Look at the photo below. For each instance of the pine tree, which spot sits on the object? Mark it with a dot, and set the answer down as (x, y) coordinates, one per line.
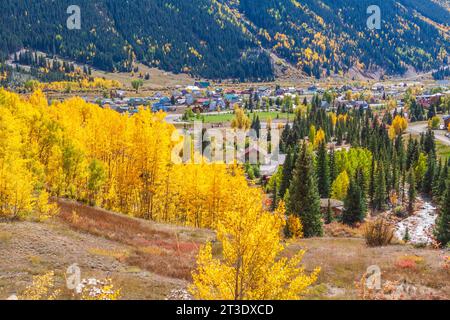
(304, 199)
(287, 174)
(411, 191)
(274, 197)
(437, 176)
(361, 181)
(323, 171)
(329, 214)
(442, 231)
(427, 183)
(372, 183)
(355, 208)
(439, 192)
(380, 195)
(333, 173)
(406, 237)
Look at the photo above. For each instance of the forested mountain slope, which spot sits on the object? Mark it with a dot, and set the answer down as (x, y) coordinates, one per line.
(232, 38)
(333, 35)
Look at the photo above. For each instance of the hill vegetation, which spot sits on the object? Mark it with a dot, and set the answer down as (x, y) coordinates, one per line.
(223, 39)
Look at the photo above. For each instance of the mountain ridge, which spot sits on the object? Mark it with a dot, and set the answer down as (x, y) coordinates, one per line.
(235, 39)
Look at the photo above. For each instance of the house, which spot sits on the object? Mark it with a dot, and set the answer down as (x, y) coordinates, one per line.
(117, 94)
(160, 107)
(312, 89)
(360, 104)
(192, 88)
(447, 121)
(271, 168)
(217, 104)
(336, 206)
(427, 101)
(325, 105)
(189, 99)
(198, 109)
(231, 98)
(202, 84)
(165, 101)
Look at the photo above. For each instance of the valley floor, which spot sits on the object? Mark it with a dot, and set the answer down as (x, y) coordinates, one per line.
(148, 260)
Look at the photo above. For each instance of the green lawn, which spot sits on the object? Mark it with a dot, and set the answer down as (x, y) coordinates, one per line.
(263, 116)
(443, 150)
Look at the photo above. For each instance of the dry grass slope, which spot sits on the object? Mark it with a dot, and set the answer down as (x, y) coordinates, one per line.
(149, 260)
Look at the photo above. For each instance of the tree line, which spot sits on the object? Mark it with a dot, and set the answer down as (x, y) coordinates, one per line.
(361, 158)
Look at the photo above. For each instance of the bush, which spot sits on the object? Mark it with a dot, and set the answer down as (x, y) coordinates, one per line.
(294, 227)
(378, 233)
(400, 212)
(339, 230)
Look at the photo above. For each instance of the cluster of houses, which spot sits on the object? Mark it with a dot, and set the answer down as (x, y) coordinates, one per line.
(201, 97)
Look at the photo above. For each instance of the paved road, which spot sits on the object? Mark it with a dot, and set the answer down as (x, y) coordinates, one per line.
(417, 128)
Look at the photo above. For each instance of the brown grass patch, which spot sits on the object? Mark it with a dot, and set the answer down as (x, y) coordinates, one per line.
(158, 251)
(5, 236)
(339, 230)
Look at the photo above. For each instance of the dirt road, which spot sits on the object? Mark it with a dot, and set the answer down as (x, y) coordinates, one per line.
(416, 128)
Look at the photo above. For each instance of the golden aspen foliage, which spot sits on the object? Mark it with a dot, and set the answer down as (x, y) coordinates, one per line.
(240, 120)
(43, 208)
(340, 186)
(295, 227)
(333, 119)
(400, 124)
(250, 267)
(391, 133)
(312, 134)
(434, 123)
(319, 138)
(123, 163)
(42, 288)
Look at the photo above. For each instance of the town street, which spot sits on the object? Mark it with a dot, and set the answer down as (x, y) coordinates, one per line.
(416, 128)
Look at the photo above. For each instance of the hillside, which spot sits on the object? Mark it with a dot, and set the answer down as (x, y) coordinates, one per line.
(234, 39)
(147, 260)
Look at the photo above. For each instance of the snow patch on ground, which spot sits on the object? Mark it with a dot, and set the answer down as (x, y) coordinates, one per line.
(420, 225)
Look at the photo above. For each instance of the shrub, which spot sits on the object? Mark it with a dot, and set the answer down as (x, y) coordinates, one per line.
(339, 230)
(409, 262)
(294, 227)
(406, 237)
(378, 233)
(399, 212)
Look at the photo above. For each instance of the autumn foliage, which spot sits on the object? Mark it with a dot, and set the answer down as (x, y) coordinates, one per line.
(251, 266)
(80, 151)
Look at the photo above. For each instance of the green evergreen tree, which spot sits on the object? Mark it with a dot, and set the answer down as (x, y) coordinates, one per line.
(427, 182)
(411, 191)
(274, 197)
(329, 217)
(442, 231)
(323, 171)
(439, 192)
(354, 205)
(304, 199)
(333, 173)
(287, 174)
(380, 194)
(406, 237)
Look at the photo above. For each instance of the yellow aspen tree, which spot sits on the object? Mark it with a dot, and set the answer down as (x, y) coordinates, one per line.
(319, 138)
(251, 267)
(340, 186)
(240, 120)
